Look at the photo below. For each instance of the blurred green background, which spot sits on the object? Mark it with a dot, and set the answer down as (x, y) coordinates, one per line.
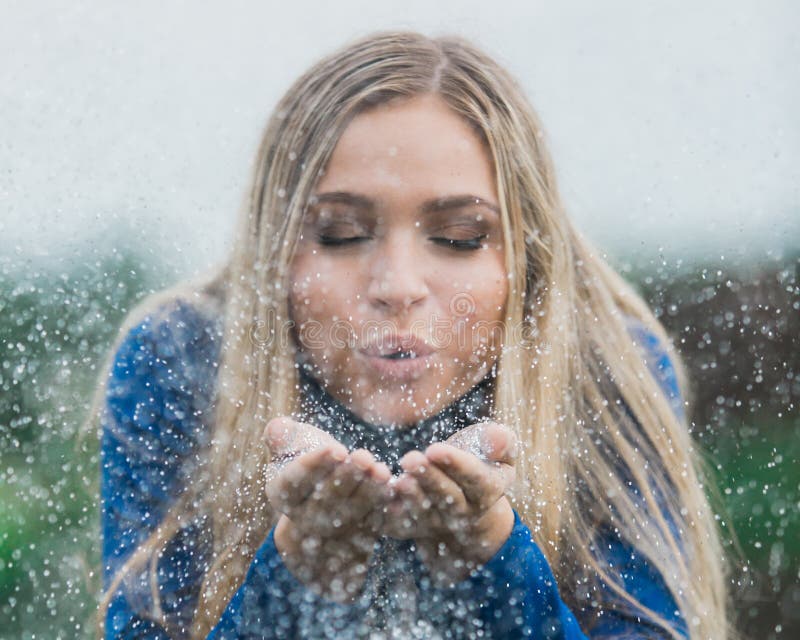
(738, 328)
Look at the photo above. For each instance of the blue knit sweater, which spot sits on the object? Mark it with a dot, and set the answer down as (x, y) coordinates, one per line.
(155, 421)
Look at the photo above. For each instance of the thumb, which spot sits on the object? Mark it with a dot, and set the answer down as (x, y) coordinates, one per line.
(287, 436)
(280, 434)
(490, 441)
(499, 443)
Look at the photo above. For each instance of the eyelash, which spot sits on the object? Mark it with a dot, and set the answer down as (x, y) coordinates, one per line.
(470, 244)
(462, 245)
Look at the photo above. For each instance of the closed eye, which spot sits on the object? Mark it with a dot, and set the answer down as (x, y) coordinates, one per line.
(332, 241)
(461, 245)
(468, 244)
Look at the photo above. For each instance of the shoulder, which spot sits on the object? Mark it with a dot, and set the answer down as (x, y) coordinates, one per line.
(656, 353)
(178, 332)
(162, 375)
(645, 336)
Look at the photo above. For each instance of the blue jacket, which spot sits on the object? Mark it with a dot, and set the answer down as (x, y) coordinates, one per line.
(160, 392)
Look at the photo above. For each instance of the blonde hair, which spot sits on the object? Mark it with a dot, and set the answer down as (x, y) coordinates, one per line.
(563, 383)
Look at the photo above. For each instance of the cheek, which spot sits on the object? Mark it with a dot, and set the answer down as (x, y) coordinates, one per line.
(307, 289)
(479, 290)
(321, 296)
(313, 279)
(475, 307)
(497, 294)
(495, 287)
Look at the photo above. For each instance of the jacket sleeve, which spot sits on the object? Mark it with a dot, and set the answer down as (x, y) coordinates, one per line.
(151, 427)
(152, 424)
(273, 604)
(515, 595)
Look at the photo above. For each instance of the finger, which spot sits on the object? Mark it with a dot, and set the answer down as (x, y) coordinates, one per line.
(403, 508)
(341, 482)
(499, 443)
(289, 439)
(442, 490)
(355, 492)
(366, 504)
(489, 441)
(495, 442)
(290, 443)
(285, 436)
(357, 467)
(294, 483)
(481, 482)
(428, 512)
(365, 461)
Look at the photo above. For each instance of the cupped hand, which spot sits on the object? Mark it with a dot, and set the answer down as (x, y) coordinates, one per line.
(451, 498)
(331, 504)
(322, 488)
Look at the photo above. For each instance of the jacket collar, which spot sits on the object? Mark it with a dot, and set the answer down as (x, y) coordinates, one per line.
(388, 442)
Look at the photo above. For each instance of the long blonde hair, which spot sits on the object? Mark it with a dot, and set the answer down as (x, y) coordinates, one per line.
(563, 382)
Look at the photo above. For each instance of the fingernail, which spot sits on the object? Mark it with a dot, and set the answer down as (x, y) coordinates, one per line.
(413, 459)
(338, 453)
(381, 473)
(441, 458)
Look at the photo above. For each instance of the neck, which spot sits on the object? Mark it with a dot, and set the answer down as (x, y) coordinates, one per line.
(389, 443)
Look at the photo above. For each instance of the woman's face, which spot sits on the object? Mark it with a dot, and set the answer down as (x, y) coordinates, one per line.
(401, 250)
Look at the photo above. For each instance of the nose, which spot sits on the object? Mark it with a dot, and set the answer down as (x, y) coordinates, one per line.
(397, 276)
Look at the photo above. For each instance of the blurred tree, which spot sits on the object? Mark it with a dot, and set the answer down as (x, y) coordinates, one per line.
(54, 330)
(739, 332)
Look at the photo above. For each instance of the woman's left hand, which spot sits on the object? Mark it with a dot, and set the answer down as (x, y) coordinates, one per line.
(451, 499)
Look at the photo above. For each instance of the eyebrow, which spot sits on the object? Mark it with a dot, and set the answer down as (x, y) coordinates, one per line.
(429, 206)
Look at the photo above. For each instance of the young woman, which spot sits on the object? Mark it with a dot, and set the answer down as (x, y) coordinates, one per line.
(414, 402)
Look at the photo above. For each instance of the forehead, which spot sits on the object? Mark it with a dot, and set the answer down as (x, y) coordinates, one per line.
(418, 147)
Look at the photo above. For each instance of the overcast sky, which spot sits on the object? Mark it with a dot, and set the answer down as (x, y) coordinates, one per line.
(673, 125)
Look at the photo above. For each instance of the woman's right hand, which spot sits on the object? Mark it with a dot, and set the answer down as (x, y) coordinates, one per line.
(331, 504)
